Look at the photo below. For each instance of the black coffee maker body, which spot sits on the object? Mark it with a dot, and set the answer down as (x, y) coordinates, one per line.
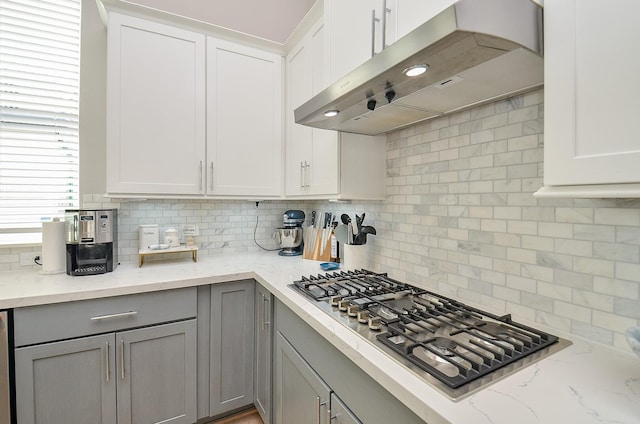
(91, 241)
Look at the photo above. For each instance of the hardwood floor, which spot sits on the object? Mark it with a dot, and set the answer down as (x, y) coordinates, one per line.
(247, 417)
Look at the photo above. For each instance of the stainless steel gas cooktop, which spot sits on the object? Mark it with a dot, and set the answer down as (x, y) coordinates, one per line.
(454, 347)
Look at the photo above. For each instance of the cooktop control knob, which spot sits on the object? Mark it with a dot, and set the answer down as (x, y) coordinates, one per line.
(363, 317)
(334, 300)
(352, 310)
(375, 323)
(343, 305)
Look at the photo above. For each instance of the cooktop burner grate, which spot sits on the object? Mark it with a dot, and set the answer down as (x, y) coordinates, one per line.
(459, 347)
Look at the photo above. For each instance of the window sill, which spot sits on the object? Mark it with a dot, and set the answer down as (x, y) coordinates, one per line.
(20, 239)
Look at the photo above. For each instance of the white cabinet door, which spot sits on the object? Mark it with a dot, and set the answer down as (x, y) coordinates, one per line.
(244, 120)
(155, 108)
(350, 34)
(410, 14)
(312, 154)
(591, 92)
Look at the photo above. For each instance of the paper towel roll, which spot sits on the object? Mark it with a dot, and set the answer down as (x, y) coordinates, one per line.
(54, 260)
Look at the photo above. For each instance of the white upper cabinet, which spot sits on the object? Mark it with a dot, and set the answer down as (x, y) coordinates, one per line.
(155, 108)
(326, 163)
(191, 115)
(355, 32)
(591, 99)
(244, 120)
(359, 29)
(410, 14)
(311, 154)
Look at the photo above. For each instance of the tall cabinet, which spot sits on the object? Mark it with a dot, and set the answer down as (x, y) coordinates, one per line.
(591, 144)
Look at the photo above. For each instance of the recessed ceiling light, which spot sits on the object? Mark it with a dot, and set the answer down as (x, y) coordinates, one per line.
(331, 113)
(415, 70)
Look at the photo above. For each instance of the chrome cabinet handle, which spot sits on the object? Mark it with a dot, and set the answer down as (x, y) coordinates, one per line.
(211, 175)
(373, 32)
(106, 357)
(265, 312)
(200, 173)
(110, 316)
(301, 176)
(318, 409)
(384, 23)
(122, 359)
(307, 165)
(327, 412)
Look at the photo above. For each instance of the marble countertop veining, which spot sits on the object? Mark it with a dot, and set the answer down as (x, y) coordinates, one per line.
(584, 383)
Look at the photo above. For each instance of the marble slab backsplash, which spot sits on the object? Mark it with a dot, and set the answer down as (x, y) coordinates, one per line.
(460, 218)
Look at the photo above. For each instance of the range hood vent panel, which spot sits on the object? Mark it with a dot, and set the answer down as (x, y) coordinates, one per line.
(497, 53)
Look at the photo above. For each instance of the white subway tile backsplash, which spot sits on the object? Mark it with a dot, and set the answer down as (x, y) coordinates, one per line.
(460, 218)
(555, 261)
(617, 216)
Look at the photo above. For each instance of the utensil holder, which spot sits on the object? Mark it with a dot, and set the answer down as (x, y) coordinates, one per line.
(354, 256)
(314, 241)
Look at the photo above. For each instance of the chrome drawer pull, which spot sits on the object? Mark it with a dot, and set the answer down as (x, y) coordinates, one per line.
(107, 362)
(120, 315)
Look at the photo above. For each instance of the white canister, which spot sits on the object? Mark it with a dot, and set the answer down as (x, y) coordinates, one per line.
(148, 235)
(354, 256)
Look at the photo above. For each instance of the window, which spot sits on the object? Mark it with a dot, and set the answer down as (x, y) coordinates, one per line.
(39, 90)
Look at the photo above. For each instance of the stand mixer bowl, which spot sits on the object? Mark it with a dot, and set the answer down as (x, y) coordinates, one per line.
(289, 240)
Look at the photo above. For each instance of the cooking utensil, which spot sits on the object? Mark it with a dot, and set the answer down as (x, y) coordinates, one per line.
(342, 233)
(362, 236)
(346, 219)
(359, 220)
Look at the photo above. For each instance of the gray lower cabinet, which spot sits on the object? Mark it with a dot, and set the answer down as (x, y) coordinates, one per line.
(67, 382)
(120, 360)
(141, 376)
(312, 377)
(340, 414)
(263, 344)
(231, 347)
(301, 395)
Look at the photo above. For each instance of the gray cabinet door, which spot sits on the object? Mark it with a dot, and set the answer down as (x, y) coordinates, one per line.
(71, 382)
(301, 397)
(340, 414)
(262, 372)
(156, 372)
(231, 349)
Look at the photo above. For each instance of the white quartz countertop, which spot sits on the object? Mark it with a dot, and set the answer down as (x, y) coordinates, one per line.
(584, 383)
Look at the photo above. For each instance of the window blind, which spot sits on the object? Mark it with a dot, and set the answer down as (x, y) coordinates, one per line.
(39, 90)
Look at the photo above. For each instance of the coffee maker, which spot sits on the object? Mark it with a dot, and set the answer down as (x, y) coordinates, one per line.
(91, 241)
(289, 236)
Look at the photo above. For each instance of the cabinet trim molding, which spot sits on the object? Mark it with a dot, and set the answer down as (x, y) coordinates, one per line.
(590, 191)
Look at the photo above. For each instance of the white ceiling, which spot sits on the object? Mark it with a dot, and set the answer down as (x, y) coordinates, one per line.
(270, 19)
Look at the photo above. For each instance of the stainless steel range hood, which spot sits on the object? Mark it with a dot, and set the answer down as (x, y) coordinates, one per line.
(477, 51)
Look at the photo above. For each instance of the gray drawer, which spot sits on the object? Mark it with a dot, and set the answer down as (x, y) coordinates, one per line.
(59, 321)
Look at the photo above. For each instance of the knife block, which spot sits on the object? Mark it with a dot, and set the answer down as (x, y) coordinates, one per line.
(314, 239)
